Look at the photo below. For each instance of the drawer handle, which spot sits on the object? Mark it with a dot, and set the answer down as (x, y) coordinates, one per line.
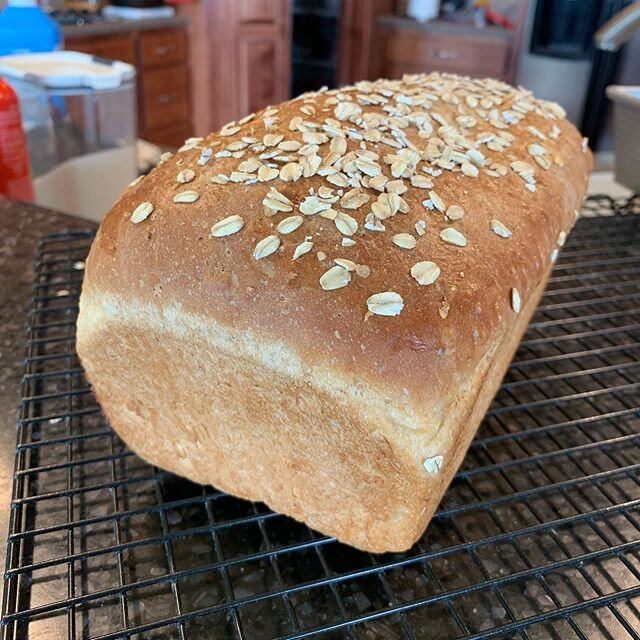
(165, 99)
(445, 54)
(161, 50)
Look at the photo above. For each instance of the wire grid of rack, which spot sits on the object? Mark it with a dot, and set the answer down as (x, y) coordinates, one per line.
(537, 537)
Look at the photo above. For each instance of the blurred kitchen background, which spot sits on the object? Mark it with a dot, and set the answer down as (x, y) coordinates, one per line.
(197, 64)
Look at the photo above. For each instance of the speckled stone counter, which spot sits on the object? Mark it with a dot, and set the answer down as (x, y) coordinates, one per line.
(21, 227)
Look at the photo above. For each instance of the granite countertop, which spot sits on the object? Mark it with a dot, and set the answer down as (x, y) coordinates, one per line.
(446, 27)
(109, 27)
(21, 227)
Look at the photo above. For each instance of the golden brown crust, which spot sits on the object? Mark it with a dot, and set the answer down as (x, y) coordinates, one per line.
(411, 379)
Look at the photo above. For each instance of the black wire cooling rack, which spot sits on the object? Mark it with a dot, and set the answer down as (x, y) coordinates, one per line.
(538, 536)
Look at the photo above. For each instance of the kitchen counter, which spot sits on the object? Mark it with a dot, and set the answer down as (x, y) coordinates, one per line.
(21, 227)
(446, 28)
(108, 27)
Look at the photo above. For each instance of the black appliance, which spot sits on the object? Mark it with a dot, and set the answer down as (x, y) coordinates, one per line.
(314, 38)
(565, 29)
(609, 40)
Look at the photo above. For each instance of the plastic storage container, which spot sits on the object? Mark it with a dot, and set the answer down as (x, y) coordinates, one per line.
(79, 115)
(626, 131)
(25, 27)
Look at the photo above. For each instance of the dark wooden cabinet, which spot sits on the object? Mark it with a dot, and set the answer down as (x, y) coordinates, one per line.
(163, 79)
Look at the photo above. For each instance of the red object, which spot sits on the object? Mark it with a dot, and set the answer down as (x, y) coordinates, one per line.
(15, 172)
(498, 19)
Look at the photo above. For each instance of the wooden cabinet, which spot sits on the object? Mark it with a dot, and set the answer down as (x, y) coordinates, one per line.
(117, 46)
(249, 56)
(166, 99)
(258, 56)
(420, 50)
(164, 47)
(357, 50)
(417, 51)
(163, 82)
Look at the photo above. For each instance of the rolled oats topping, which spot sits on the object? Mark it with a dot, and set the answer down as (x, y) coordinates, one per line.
(185, 176)
(404, 240)
(345, 223)
(433, 464)
(266, 174)
(515, 300)
(289, 225)
(455, 212)
(378, 182)
(338, 146)
(335, 278)
(272, 139)
(354, 199)
(425, 272)
(347, 159)
(312, 205)
(437, 201)
(302, 248)
(266, 247)
(349, 265)
(141, 212)
(227, 226)
(387, 303)
(422, 182)
(186, 197)
(499, 229)
(276, 201)
(453, 236)
(291, 172)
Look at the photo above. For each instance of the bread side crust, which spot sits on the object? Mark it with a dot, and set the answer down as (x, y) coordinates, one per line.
(210, 405)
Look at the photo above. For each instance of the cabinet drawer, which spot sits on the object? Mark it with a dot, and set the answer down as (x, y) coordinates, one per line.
(113, 47)
(166, 99)
(416, 51)
(159, 48)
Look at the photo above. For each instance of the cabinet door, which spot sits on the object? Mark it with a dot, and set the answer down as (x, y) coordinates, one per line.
(263, 67)
(251, 57)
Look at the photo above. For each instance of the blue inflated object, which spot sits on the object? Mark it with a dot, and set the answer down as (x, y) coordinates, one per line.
(26, 28)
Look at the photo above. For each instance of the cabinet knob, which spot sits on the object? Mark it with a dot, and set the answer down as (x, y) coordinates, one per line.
(164, 99)
(161, 50)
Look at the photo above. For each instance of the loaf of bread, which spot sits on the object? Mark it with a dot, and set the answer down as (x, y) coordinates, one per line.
(315, 306)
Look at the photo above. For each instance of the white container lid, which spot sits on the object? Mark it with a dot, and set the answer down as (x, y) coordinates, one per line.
(67, 70)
